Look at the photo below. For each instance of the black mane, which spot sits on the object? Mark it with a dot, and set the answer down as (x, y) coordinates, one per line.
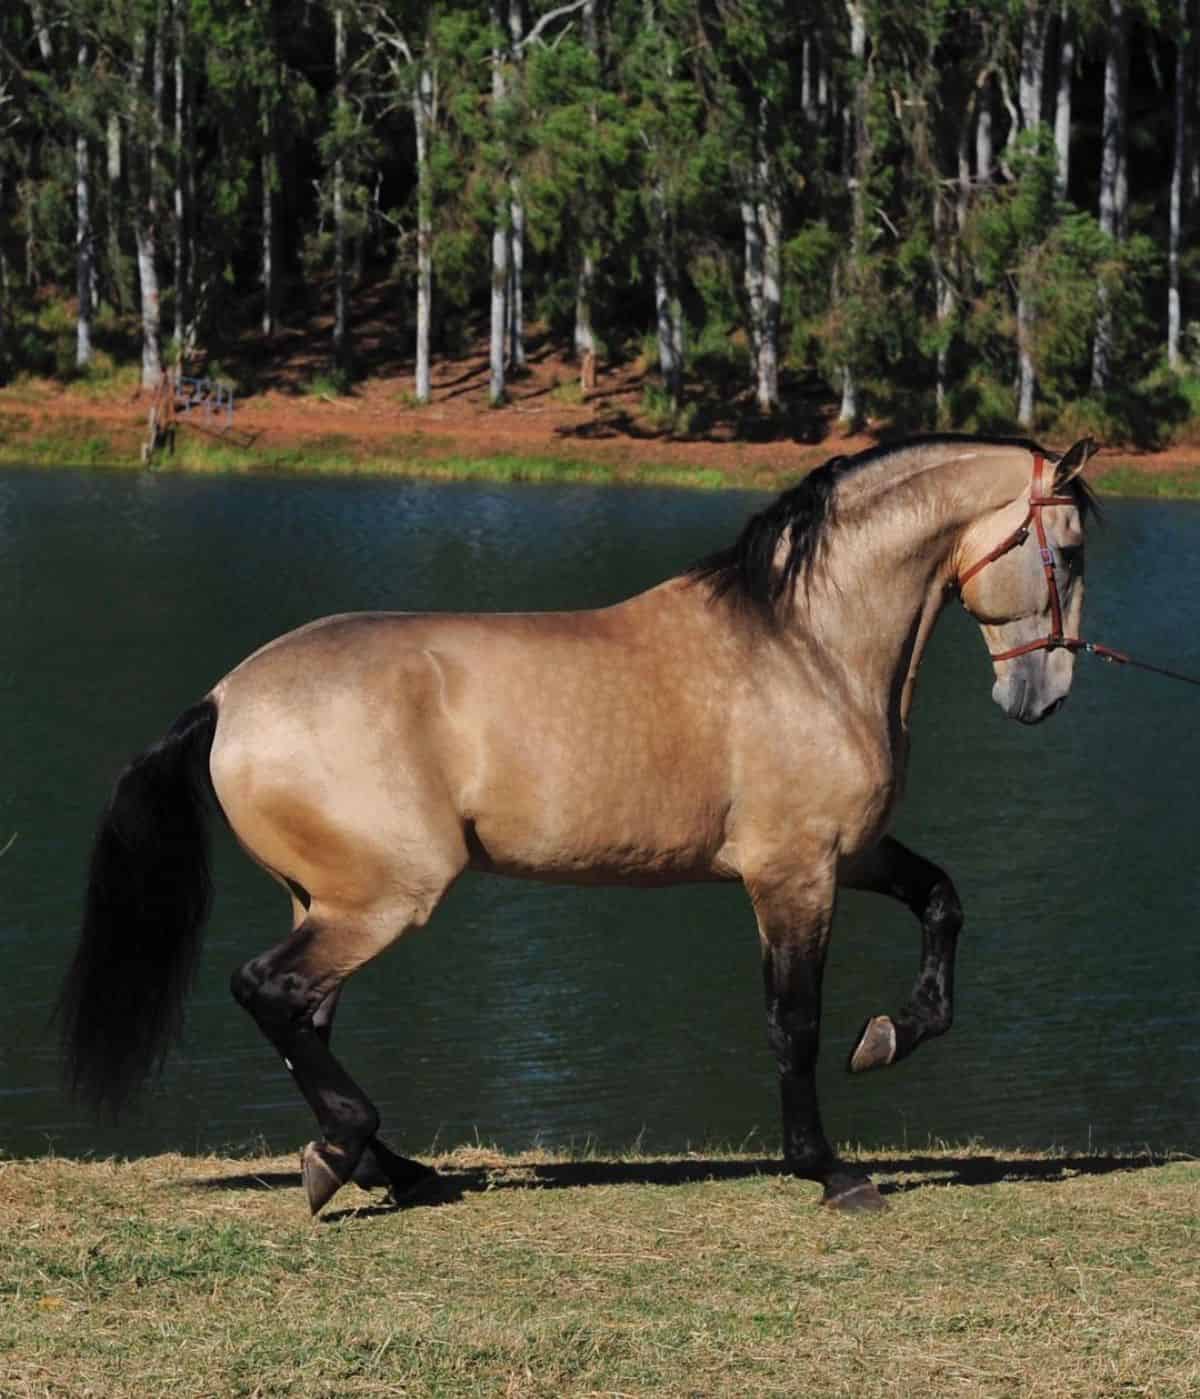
(745, 572)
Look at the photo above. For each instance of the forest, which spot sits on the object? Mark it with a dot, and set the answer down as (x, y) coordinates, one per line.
(935, 214)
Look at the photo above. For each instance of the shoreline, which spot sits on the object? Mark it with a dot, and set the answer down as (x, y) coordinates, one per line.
(46, 427)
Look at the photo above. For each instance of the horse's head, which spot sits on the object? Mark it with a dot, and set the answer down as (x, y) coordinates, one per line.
(1021, 578)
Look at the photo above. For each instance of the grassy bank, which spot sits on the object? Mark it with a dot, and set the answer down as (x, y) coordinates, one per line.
(79, 439)
(992, 1274)
(92, 443)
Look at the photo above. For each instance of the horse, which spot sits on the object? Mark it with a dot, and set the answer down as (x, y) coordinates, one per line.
(747, 719)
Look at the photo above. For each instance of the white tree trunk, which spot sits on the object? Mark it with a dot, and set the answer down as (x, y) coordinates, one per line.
(183, 269)
(857, 162)
(84, 259)
(516, 272)
(145, 220)
(341, 337)
(1062, 104)
(752, 275)
(1178, 164)
(423, 100)
(1112, 191)
(268, 175)
(984, 136)
(771, 220)
(668, 314)
(1026, 379)
(516, 221)
(585, 279)
(1033, 62)
(585, 275)
(501, 243)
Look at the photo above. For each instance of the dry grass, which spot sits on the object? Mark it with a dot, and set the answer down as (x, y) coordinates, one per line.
(542, 1275)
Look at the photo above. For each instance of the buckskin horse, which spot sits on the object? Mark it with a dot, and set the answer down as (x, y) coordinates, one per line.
(745, 720)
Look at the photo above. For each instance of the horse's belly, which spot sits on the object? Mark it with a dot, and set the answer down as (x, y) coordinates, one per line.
(592, 846)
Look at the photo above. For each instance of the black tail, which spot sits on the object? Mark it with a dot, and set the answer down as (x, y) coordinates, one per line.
(148, 895)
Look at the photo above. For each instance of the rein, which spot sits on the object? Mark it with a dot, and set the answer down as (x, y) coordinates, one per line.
(1055, 640)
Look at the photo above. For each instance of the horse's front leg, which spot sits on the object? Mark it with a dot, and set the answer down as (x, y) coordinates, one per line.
(794, 920)
(891, 868)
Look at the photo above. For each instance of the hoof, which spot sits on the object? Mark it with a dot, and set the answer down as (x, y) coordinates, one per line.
(876, 1047)
(323, 1170)
(381, 1169)
(853, 1195)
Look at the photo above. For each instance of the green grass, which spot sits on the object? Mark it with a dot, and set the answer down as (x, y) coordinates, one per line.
(1128, 481)
(548, 1275)
(81, 442)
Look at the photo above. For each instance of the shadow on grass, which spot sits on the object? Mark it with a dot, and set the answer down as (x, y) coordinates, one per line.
(454, 1184)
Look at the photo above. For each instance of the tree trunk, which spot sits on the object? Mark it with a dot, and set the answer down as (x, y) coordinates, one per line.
(516, 272)
(1062, 104)
(859, 162)
(752, 275)
(1112, 189)
(1026, 378)
(984, 137)
(119, 291)
(270, 176)
(1178, 165)
(145, 202)
(585, 273)
(341, 334)
(84, 257)
(1033, 62)
(516, 220)
(42, 30)
(423, 118)
(183, 271)
(501, 242)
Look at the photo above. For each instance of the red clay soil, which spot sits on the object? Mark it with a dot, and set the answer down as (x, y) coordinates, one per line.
(546, 416)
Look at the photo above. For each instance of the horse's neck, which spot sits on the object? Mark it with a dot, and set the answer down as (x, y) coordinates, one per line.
(883, 579)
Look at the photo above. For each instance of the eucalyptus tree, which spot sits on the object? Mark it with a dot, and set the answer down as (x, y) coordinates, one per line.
(753, 43)
(1114, 182)
(1182, 103)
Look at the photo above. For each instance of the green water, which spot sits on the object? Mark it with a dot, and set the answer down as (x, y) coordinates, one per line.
(526, 1013)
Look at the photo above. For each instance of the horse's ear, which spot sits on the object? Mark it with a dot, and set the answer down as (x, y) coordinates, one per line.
(1072, 462)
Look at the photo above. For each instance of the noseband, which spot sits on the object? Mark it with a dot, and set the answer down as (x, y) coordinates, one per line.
(1055, 640)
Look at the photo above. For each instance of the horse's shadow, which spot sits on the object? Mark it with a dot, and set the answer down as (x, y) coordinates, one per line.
(454, 1183)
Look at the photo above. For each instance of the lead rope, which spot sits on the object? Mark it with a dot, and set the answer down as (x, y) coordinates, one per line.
(1106, 653)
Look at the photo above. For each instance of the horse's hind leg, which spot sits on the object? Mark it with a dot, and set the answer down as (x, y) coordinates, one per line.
(891, 868)
(379, 1168)
(283, 989)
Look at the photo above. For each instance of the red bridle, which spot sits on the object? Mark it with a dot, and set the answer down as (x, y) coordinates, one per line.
(1055, 640)
(1037, 503)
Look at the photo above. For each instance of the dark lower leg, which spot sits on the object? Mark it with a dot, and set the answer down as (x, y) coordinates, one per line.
(378, 1168)
(929, 1011)
(283, 996)
(792, 981)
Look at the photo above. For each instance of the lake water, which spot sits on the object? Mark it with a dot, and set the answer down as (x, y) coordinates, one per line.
(527, 1014)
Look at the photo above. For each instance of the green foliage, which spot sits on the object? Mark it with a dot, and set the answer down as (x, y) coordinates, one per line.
(638, 146)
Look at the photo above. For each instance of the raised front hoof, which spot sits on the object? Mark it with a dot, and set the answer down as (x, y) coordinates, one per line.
(324, 1169)
(876, 1047)
(853, 1195)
